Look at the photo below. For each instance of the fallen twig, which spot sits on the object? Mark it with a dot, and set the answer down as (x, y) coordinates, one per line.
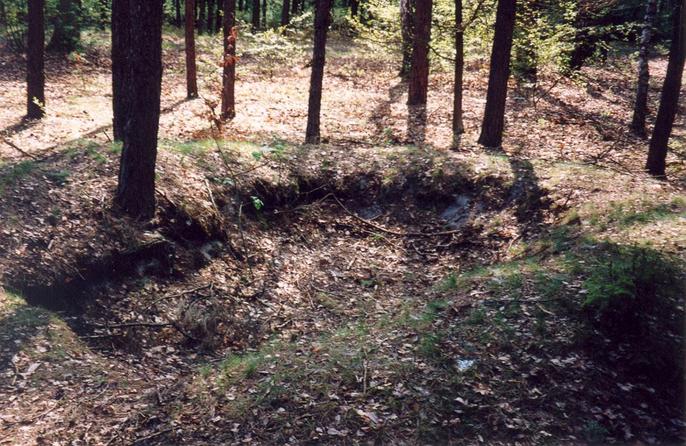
(156, 434)
(131, 324)
(18, 149)
(391, 231)
(179, 294)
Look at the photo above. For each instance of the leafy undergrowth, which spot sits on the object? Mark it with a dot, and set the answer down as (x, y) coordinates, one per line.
(532, 321)
(372, 288)
(52, 381)
(580, 343)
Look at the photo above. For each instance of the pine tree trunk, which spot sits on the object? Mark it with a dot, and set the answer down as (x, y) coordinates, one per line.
(219, 15)
(66, 34)
(285, 12)
(669, 99)
(354, 7)
(407, 10)
(135, 194)
(419, 70)
(35, 60)
(191, 70)
(202, 16)
(294, 7)
(264, 13)
(638, 122)
(210, 16)
(494, 115)
(241, 5)
(120, 45)
(458, 125)
(229, 75)
(255, 15)
(177, 13)
(321, 26)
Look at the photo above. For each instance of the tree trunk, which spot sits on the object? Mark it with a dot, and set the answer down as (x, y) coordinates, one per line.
(285, 12)
(35, 60)
(66, 34)
(419, 70)
(241, 5)
(354, 7)
(191, 70)
(142, 85)
(638, 123)
(255, 15)
(229, 75)
(458, 125)
(120, 45)
(669, 100)
(210, 16)
(177, 13)
(202, 16)
(494, 115)
(264, 13)
(407, 10)
(294, 7)
(321, 26)
(219, 15)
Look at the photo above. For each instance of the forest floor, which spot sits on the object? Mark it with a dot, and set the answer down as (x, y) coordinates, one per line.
(377, 288)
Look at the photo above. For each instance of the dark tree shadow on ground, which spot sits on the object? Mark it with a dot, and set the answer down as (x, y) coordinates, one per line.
(609, 127)
(23, 124)
(383, 110)
(527, 195)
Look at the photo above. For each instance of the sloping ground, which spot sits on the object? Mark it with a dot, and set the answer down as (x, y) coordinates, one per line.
(576, 120)
(363, 290)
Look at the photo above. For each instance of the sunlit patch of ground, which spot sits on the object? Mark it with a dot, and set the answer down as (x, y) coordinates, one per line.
(286, 317)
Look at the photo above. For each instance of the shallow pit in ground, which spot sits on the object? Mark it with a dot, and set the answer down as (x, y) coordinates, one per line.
(237, 234)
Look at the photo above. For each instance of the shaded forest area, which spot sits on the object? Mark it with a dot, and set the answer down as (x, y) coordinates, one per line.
(342, 222)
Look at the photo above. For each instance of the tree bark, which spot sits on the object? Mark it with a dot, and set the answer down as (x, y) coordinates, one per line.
(255, 15)
(177, 13)
(669, 100)
(219, 15)
(67, 33)
(135, 193)
(294, 7)
(120, 45)
(354, 7)
(191, 70)
(458, 125)
(638, 122)
(419, 70)
(210, 16)
(202, 16)
(321, 26)
(407, 10)
(285, 12)
(264, 13)
(229, 75)
(35, 60)
(494, 115)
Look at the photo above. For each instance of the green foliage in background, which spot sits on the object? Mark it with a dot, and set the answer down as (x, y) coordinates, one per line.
(67, 16)
(551, 35)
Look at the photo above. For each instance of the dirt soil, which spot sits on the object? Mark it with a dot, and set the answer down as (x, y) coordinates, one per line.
(377, 288)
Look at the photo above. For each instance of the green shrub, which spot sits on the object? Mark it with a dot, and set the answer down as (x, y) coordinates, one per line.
(626, 285)
(635, 298)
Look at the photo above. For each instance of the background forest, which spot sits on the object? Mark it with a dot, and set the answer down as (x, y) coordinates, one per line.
(342, 222)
